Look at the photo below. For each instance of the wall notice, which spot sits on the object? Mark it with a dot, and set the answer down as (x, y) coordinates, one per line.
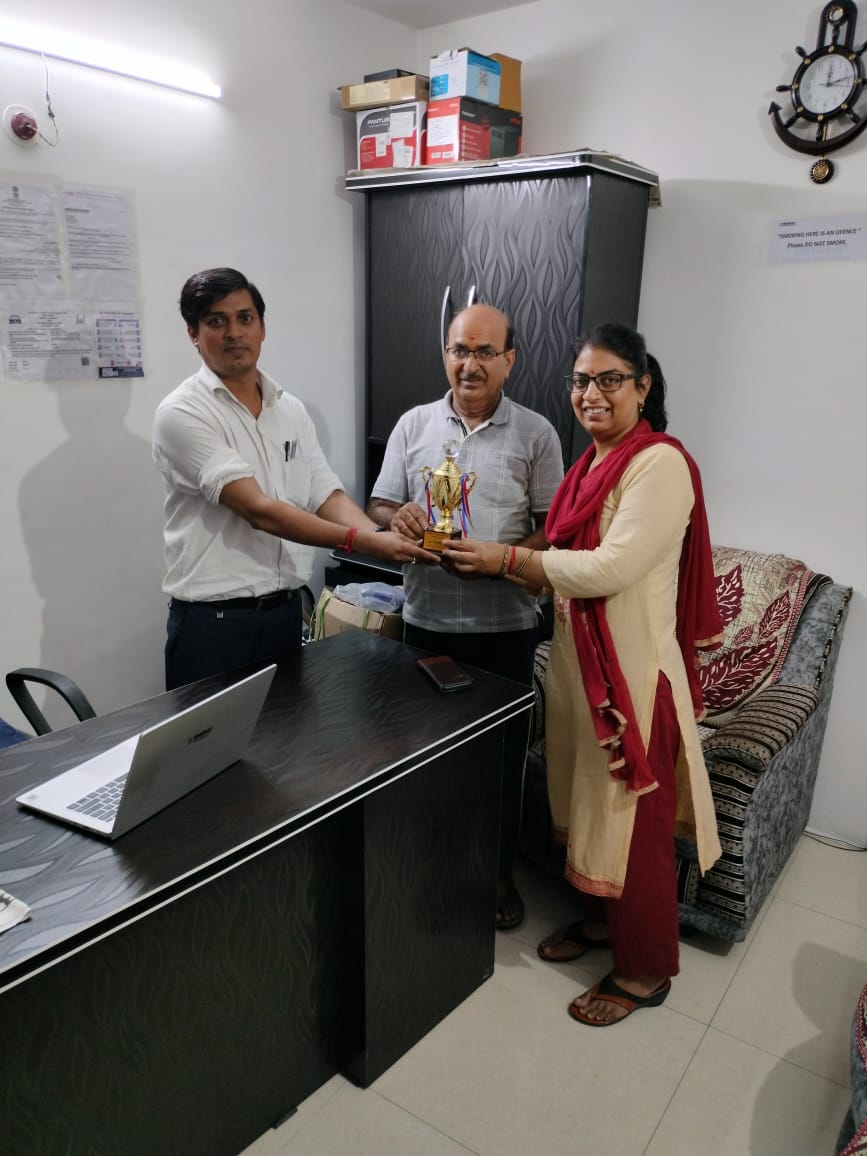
(840, 238)
(69, 283)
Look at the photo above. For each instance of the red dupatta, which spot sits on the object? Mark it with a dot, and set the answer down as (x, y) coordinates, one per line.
(573, 523)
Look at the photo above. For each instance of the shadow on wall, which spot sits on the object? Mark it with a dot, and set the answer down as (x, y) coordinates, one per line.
(91, 516)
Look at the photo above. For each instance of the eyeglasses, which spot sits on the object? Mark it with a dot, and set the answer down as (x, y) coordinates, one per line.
(607, 382)
(483, 354)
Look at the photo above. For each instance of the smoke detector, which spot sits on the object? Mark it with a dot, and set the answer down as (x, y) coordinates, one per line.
(20, 124)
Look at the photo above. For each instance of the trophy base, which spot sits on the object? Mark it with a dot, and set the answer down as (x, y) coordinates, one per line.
(434, 540)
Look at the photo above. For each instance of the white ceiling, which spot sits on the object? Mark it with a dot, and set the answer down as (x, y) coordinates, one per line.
(429, 13)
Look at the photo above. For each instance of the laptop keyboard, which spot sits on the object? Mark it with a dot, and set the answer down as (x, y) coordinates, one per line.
(103, 802)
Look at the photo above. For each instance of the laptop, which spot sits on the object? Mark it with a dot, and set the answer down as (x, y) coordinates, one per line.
(115, 791)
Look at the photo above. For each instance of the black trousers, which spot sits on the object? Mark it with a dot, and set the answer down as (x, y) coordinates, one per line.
(509, 654)
(204, 638)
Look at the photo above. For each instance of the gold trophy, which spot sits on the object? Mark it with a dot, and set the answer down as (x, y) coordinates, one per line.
(448, 490)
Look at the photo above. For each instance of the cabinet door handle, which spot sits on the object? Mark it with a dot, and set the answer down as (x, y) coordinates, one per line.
(444, 321)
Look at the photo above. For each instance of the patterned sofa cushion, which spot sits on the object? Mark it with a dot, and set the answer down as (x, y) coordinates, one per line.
(760, 598)
(762, 726)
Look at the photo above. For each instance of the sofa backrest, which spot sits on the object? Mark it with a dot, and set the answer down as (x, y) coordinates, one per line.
(761, 597)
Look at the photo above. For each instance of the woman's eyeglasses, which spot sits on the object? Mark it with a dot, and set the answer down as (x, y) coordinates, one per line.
(607, 382)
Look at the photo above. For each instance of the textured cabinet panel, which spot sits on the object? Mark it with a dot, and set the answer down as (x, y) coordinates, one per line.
(193, 1030)
(558, 252)
(414, 254)
(430, 867)
(525, 244)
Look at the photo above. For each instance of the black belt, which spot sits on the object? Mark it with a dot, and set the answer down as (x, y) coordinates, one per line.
(263, 602)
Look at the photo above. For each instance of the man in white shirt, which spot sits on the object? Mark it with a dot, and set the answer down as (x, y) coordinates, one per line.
(248, 494)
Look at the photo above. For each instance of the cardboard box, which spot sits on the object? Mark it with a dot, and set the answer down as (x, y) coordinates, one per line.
(386, 74)
(462, 72)
(377, 93)
(392, 137)
(333, 616)
(469, 130)
(510, 81)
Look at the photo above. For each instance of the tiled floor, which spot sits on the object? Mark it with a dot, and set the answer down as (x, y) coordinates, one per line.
(748, 1056)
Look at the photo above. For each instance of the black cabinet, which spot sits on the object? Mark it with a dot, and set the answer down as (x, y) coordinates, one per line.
(556, 242)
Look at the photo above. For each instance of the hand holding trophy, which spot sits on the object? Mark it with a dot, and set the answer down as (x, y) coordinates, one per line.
(448, 490)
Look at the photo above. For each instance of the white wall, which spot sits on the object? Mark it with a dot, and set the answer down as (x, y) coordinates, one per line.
(765, 363)
(254, 181)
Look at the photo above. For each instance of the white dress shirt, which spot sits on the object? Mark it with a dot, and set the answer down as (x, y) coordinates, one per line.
(203, 439)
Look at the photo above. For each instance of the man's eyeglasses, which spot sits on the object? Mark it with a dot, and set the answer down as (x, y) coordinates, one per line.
(483, 354)
(607, 382)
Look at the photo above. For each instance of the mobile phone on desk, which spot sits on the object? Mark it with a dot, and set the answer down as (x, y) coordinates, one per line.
(444, 673)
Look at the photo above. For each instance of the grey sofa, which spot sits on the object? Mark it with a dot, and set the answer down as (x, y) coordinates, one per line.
(762, 758)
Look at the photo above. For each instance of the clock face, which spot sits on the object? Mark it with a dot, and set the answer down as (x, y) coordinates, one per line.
(826, 83)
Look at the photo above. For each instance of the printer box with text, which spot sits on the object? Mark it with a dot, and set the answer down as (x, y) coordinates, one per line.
(392, 137)
(462, 72)
(469, 130)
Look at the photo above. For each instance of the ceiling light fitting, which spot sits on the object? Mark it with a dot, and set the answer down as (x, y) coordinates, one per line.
(110, 58)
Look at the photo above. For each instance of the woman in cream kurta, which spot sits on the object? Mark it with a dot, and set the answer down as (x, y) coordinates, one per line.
(634, 568)
(625, 554)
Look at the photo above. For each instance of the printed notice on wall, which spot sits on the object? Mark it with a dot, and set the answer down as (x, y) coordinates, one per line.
(101, 244)
(69, 283)
(839, 238)
(69, 341)
(53, 340)
(30, 241)
(118, 343)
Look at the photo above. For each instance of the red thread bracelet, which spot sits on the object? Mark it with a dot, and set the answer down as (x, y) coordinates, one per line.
(346, 545)
(511, 559)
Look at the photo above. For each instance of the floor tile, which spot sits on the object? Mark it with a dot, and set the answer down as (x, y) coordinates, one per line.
(795, 992)
(550, 903)
(707, 965)
(273, 1142)
(736, 1100)
(509, 1073)
(828, 879)
(707, 969)
(362, 1123)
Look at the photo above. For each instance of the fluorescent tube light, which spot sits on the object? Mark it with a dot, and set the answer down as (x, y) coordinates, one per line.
(116, 59)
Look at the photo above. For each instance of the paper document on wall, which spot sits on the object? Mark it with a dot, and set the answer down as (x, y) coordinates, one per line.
(100, 237)
(838, 238)
(69, 340)
(31, 261)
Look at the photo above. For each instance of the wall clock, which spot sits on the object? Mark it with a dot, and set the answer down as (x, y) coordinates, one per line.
(829, 102)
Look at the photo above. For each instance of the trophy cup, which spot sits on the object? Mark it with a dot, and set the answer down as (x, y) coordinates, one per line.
(448, 490)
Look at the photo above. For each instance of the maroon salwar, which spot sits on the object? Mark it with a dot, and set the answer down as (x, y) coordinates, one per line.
(643, 922)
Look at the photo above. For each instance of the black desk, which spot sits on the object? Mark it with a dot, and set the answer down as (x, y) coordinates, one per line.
(316, 908)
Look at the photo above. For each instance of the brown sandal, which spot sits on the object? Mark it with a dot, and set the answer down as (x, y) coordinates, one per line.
(608, 991)
(568, 943)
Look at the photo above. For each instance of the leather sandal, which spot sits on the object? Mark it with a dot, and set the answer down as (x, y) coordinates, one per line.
(608, 991)
(568, 943)
(511, 899)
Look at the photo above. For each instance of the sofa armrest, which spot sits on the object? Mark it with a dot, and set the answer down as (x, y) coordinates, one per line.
(761, 726)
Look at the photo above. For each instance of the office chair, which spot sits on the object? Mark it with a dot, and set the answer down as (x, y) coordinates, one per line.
(68, 690)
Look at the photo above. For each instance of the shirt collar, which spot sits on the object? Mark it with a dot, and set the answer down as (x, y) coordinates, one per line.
(499, 417)
(271, 391)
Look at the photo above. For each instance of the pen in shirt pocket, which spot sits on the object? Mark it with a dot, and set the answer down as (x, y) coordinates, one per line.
(289, 449)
